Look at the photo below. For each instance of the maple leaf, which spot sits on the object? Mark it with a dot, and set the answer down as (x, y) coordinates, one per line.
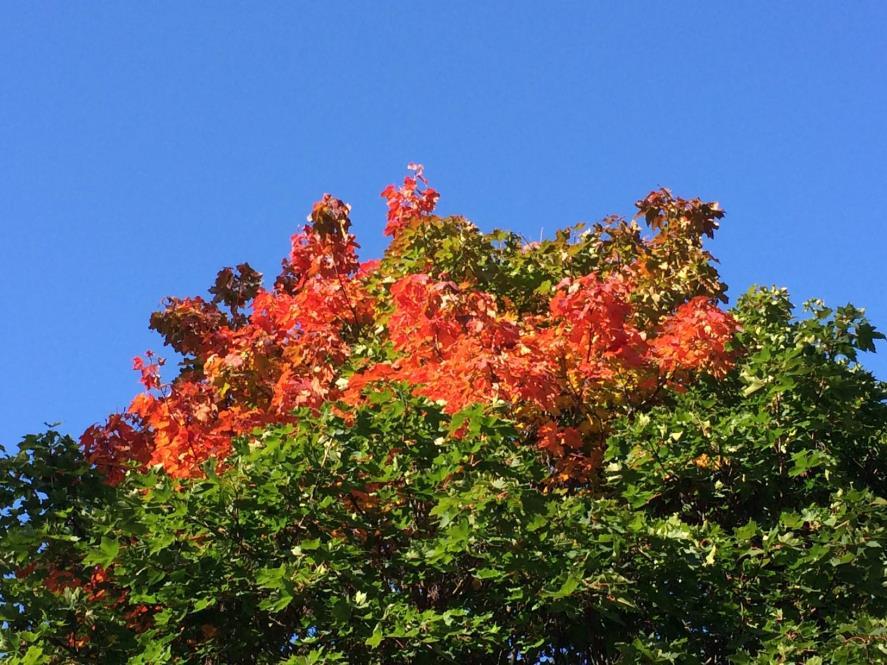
(333, 327)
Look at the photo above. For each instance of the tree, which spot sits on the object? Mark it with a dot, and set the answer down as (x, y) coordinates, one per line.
(474, 450)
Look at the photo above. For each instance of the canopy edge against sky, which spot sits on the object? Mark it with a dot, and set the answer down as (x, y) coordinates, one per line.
(144, 147)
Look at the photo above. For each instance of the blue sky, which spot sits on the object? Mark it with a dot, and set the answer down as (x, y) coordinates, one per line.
(145, 145)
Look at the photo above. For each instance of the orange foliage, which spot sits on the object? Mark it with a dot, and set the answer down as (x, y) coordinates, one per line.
(410, 202)
(564, 373)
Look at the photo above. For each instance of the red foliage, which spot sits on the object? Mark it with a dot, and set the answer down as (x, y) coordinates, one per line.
(563, 374)
(412, 201)
(98, 586)
(149, 370)
(694, 339)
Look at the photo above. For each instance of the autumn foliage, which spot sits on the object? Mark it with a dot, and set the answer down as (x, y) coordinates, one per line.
(598, 341)
(474, 449)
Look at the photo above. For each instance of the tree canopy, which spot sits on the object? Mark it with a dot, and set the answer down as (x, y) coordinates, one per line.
(476, 449)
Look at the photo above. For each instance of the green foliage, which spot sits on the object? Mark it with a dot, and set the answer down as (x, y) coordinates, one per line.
(781, 472)
(524, 274)
(742, 520)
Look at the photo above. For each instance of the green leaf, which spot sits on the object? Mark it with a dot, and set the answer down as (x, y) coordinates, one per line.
(568, 587)
(375, 639)
(103, 555)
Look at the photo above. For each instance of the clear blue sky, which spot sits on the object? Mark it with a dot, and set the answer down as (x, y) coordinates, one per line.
(145, 145)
